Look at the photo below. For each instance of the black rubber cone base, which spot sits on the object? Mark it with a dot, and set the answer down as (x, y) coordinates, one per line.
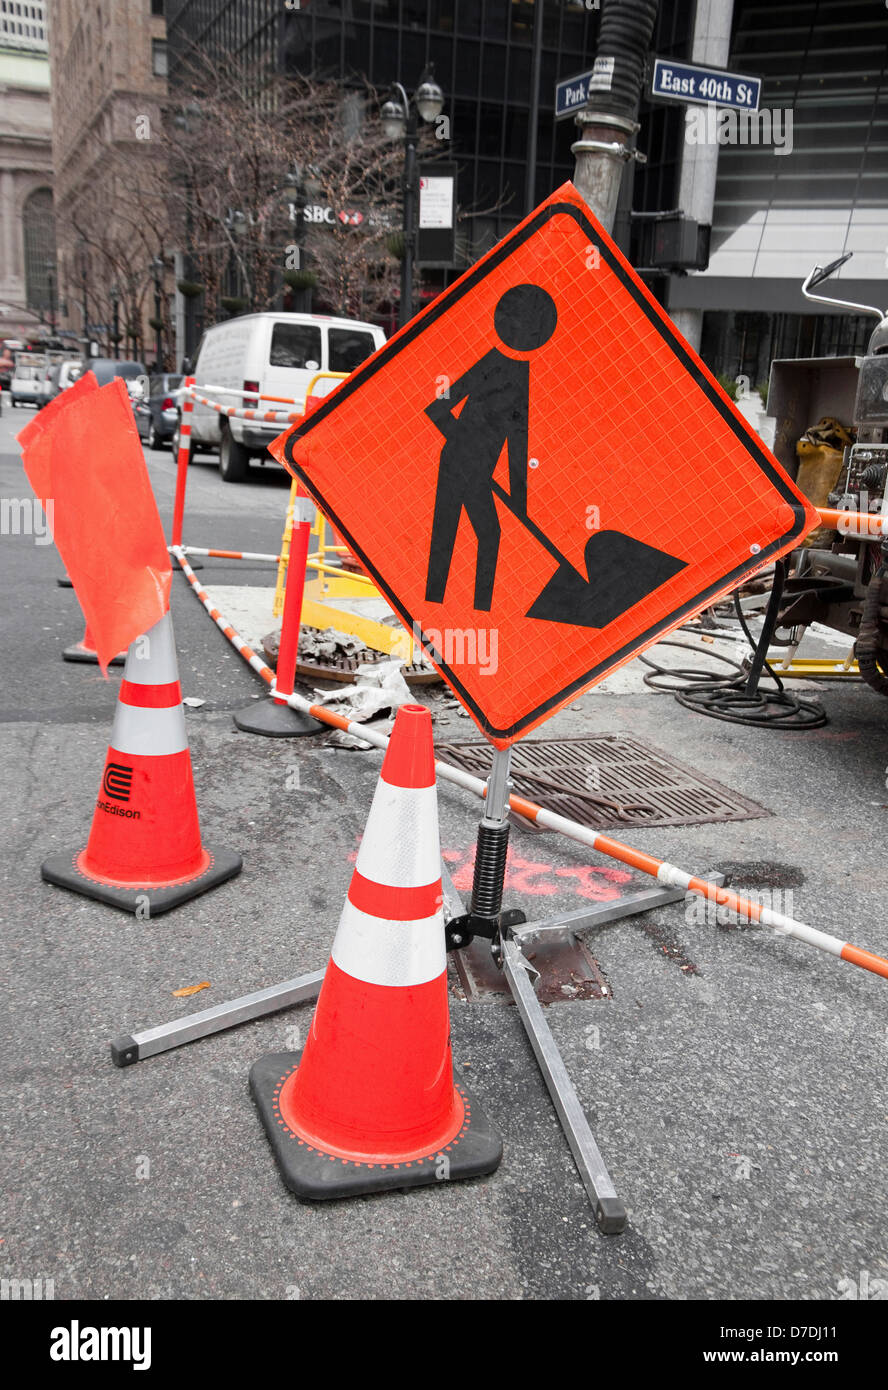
(318, 1176)
(65, 583)
(80, 653)
(62, 870)
(277, 721)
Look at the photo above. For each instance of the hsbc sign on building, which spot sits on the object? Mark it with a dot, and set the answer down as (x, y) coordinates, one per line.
(315, 214)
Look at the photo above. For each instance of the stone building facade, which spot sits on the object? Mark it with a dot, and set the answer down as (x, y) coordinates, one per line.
(108, 63)
(28, 286)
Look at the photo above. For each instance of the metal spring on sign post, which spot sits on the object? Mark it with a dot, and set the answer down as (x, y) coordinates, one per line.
(490, 869)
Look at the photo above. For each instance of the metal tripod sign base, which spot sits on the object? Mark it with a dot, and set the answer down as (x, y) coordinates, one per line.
(519, 974)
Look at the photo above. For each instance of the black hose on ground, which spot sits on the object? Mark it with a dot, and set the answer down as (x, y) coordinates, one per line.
(738, 699)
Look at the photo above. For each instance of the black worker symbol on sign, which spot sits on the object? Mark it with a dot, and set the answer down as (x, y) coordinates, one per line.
(494, 395)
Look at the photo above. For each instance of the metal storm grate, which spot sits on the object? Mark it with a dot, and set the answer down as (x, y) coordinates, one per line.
(609, 781)
(343, 668)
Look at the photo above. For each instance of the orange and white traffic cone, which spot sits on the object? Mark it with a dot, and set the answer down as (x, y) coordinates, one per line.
(371, 1101)
(85, 650)
(144, 852)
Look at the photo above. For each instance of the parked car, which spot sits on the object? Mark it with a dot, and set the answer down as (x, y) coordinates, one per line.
(157, 414)
(272, 354)
(27, 384)
(106, 369)
(63, 375)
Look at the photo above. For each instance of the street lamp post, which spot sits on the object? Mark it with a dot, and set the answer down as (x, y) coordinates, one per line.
(157, 266)
(83, 303)
(400, 119)
(115, 319)
(293, 196)
(51, 290)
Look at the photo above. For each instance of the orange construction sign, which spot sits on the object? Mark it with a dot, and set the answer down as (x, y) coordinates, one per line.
(541, 474)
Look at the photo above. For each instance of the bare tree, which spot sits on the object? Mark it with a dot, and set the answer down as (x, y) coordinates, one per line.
(252, 156)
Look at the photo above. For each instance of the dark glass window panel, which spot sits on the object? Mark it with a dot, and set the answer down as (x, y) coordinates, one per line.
(294, 344)
(516, 133)
(468, 16)
(349, 348)
(468, 69)
(413, 58)
(522, 17)
(493, 72)
(519, 75)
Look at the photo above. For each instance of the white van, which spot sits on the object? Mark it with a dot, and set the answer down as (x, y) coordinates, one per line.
(268, 354)
(28, 386)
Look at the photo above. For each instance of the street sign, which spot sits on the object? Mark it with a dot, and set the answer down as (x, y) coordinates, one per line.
(436, 232)
(573, 93)
(541, 475)
(689, 82)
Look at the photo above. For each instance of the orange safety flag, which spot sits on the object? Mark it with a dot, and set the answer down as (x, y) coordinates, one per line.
(84, 460)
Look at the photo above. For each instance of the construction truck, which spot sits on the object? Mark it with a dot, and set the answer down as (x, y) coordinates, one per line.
(840, 577)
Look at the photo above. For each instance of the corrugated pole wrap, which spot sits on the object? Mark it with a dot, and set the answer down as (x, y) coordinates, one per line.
(609, 121)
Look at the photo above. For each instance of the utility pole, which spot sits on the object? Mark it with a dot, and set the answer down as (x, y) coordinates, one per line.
(609, 121)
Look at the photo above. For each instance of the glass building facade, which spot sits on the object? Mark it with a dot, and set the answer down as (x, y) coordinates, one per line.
(826, 61)
(482, 52)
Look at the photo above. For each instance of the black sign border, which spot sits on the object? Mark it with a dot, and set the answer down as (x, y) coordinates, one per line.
(435, 311)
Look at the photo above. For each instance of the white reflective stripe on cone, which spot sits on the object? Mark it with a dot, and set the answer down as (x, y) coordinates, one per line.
(151, 659)
(400, 843)
(389, 953)
(149, 732)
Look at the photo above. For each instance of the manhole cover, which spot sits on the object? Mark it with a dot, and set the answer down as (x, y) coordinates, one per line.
(608, 781)
(343, 668)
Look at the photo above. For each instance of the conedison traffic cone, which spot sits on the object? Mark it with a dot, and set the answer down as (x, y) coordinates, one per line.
(371, 1102)
(144, 852)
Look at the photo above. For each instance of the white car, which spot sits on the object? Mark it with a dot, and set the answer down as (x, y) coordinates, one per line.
(270, 354)
(28, 385)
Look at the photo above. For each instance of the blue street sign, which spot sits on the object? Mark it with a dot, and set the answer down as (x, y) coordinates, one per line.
(574, 92)
(704, 86)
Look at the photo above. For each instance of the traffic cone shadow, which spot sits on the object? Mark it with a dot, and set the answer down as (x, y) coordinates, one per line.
(371, 1103)
(144, 852)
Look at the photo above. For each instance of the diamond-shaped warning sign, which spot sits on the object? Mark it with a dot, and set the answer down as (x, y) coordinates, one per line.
(541, 474)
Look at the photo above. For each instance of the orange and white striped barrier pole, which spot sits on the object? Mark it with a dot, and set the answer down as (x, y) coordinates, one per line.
(869, 525)
(236, 391)
(231, 554)
(659, 869)
(182, 462)
(275, 417)
(241, 647)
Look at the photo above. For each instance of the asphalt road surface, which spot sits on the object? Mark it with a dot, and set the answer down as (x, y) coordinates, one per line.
(735, 1080)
